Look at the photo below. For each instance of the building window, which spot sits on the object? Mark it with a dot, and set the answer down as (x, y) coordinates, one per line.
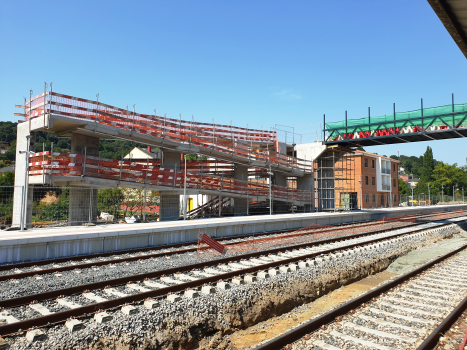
(395, 198)
(374, 198)
(373, 180)
(382, 200)
(373, 163)
(394, 167)
(367, 198)
(366, 163)
(366, 180)
(394, 182)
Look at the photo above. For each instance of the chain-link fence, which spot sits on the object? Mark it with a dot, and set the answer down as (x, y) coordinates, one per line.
(426, 200)
(63, 206)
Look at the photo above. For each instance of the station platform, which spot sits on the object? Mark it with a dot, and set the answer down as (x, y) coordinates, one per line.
(48, 243)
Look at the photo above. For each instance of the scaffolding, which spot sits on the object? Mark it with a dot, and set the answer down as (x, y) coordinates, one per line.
(335, 180)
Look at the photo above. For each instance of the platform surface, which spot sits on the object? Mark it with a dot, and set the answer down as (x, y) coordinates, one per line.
(44, 243)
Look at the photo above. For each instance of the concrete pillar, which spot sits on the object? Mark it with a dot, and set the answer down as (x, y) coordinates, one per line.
(171, 159)
(240, 204)
(82, 207)
(306, 183)
(280, 207)
(21, 167)
(169, 204)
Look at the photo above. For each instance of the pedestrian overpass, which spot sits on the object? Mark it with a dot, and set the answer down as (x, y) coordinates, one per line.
(424, 124)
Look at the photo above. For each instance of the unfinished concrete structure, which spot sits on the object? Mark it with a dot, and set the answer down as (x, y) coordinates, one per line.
(250, 154)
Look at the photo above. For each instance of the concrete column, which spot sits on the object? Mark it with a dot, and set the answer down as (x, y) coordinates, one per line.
(169, 204)
(306, 183)
(21, 173)
(240, 204)
(280, 207)
(82, 207)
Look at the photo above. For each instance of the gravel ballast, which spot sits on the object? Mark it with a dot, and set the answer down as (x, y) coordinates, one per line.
(190, 322)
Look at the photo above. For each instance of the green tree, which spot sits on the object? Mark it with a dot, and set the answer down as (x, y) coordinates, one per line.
(428, 165)
(403, 188)
(446, 176)
(7, 178)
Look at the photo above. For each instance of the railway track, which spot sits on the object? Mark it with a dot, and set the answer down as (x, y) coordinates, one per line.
(37, 268)
(85, 301)
(410, 312)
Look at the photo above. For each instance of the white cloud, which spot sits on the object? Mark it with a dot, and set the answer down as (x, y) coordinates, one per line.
(288, 95)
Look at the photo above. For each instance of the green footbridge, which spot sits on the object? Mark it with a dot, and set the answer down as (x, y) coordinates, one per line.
(424, 124)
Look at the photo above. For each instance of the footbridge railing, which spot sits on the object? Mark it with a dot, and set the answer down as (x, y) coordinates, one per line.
(449, 117)
(150, 173)
(229, 140)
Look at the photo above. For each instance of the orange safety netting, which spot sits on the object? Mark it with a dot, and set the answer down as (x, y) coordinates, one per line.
(149, 172)
(229, 140)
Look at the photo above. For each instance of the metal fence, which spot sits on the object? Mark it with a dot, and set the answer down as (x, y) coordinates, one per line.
(426, 200)
(62, 206)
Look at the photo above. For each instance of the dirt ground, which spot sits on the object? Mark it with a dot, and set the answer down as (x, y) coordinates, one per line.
(252, 336)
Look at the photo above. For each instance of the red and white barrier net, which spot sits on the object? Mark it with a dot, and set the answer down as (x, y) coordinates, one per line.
(222, 138)
(149, 172)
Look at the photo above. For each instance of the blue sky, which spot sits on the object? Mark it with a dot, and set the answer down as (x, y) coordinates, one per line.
(259, 63)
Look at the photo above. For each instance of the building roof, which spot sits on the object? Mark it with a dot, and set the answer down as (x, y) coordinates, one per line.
(453, 14)
(375, 155)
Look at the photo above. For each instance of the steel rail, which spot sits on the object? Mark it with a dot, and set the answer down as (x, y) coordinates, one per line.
(80, 312)
(330, 316)
(175, 252)
(171, 246)
(431, 341)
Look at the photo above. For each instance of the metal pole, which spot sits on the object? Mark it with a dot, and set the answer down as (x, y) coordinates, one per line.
(421, 100)
(442, 193)
(270, 192)
(43, 161)
(394, 113)
(452, 194)
(121, 165)
(452, 106)
(51, 161)
(345, 123)
(412, 197)
(462, 195)
(324, 127)
(25, 188)
(84, 165)
(369, 122)
(133, 125)
(248, 196)
(429, 198)
(184, 192)
(45, 100)
(90, 205)
(97, 109)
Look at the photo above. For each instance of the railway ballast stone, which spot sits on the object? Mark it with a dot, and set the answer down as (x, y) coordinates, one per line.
(204, 322)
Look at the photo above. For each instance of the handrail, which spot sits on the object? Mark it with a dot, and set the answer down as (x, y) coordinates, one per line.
(241, 142)
(66, 164)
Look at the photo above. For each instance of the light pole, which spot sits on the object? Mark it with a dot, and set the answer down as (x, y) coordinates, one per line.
(184, 192)
(442, 193)
(412, 196)
(429, 201)
(270, 191)
(462, 195)
(361, 193)
(452, 194)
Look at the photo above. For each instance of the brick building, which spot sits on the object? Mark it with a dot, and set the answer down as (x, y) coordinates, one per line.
(376, 180)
